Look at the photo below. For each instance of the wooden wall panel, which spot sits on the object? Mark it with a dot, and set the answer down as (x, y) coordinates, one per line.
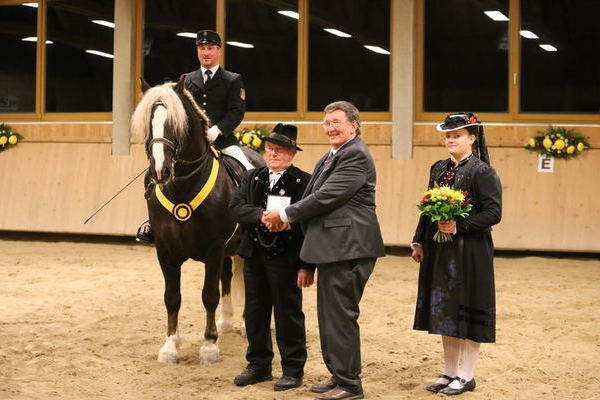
(502, 135)
(312, 132)
(53, 187)
(93, 132)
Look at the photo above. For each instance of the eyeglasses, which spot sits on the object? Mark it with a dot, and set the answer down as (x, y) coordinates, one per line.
(334, 124)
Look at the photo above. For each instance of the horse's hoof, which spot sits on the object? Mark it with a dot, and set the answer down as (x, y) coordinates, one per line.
(224, 325)
(209, 353)
(168, 351)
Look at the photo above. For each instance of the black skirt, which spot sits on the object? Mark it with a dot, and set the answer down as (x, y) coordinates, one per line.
(456, 294)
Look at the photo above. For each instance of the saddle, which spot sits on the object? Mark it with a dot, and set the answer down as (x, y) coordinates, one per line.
(234, 168)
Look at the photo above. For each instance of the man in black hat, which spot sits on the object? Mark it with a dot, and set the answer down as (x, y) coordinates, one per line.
(273, 271)
(220, 93)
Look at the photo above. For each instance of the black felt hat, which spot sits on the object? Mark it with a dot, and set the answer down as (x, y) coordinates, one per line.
(284, 135)
(208, 37)
(458, 121)
(461, 120)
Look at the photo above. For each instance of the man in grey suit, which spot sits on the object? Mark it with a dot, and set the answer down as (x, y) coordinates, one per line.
(342, 237)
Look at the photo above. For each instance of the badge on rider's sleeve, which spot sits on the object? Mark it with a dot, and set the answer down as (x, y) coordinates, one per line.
(242, 94)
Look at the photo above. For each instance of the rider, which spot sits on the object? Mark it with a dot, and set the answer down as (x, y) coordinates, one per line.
(220, 93)
(222, 96)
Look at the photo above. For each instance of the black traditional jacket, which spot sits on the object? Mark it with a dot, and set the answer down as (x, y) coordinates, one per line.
(248, 204)
(224, 100)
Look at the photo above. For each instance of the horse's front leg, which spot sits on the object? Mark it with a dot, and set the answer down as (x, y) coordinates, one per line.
(172, 274)
(209, 351)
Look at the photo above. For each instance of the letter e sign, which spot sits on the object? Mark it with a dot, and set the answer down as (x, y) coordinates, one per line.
(545, 164)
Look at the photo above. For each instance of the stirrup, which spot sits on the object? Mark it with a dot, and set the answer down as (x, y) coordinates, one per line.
(144, 233)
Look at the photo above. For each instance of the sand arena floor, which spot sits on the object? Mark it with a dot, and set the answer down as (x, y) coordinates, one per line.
(85, 321)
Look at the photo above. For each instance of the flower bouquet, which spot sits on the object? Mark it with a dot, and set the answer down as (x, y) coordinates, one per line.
(252, 138)
(558, 142)
(442, 204)
(8, 137)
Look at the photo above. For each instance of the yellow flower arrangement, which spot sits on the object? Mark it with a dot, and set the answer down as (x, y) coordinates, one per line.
(8, 137)
(442, 203)
(558, 142)
(252, 138)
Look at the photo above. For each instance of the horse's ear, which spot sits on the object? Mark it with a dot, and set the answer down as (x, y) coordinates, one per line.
(178, 88)
(145, 85)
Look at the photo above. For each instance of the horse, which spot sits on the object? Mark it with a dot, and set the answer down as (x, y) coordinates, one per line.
(188, 194)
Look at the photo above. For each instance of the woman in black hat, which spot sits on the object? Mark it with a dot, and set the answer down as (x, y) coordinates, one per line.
(456, 296)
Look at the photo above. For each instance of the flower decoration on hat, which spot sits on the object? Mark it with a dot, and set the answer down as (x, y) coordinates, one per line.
(558, 143)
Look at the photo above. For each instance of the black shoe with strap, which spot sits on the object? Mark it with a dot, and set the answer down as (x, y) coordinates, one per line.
(465, 386)
(436, 387)
(144, 233)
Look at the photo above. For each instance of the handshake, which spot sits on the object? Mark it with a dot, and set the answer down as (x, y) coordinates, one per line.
(272, 221)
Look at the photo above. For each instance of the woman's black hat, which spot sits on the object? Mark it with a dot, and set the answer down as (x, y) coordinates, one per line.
(284, 135)
(456, 121)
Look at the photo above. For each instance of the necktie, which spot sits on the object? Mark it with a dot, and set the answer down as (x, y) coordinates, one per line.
(273, 178)
(208, 73)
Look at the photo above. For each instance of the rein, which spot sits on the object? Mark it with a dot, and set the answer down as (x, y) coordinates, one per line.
(183, 211)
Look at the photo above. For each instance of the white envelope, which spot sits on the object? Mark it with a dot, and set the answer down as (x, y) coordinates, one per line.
(277, 202)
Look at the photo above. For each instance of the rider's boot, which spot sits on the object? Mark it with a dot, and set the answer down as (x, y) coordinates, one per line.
(144, 233)
(237, 153)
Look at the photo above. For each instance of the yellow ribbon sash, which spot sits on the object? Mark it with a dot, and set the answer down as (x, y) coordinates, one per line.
(183, 211)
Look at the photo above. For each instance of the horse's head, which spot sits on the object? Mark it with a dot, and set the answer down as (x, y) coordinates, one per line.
(173, 127)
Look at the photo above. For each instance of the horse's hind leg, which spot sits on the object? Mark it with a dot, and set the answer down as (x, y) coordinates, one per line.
(172, 274)
(224, 323)
(209, 351)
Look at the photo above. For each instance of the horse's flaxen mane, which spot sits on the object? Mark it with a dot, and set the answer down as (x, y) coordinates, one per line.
(177, 118)
(200, 111)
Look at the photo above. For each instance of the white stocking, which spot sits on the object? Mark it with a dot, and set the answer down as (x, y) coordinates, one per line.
(468, 359)
(452, 348)
(237, 153)
(470, 354)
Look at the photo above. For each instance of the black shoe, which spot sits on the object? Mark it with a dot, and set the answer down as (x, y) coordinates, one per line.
(466, 386)
(436, 387)
(287, 382)
(250, 377)
(144, 233)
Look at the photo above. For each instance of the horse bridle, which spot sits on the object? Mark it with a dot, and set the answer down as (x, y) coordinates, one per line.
(176, 149)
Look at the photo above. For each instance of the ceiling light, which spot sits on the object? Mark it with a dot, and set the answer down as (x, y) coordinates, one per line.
(33, 5)
(187, 34)
(100, 53)
(34, 39)
(529, 35)
(104, 23)
(337, 33)
(496, 15)
(291, 14)
(377, 49)
(240, 44)
(548, 47)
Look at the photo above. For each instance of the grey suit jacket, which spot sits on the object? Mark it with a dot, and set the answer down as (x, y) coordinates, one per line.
(337, 211)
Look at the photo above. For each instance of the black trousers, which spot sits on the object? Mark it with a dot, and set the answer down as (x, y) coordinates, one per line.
(340, 287)
(271, 285)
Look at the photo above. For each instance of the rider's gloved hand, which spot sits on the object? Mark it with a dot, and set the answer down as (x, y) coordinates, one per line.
(212, 133)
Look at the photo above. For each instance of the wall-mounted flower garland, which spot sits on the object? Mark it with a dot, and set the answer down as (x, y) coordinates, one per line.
(558, 142)
(8, 137)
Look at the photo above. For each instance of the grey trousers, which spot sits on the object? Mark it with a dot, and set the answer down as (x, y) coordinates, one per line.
(340, 286)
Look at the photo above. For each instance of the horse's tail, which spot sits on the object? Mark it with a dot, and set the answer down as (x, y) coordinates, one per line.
(163, 95)
(238, 292)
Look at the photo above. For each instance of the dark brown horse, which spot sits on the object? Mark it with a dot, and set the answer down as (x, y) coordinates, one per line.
(188, 196)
